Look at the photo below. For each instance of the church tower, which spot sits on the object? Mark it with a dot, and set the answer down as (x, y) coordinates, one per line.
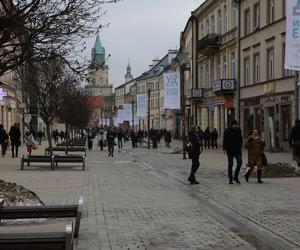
(128, 76)
(99, 89)
(98, 53)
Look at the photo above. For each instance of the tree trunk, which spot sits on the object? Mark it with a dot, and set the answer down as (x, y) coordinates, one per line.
(49, 138)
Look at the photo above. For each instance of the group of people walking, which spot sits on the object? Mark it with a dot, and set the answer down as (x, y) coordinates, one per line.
(232, 146)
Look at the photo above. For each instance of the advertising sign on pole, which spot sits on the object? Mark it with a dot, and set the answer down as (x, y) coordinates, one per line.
(292, 36)
(172, 90)
(141, 101)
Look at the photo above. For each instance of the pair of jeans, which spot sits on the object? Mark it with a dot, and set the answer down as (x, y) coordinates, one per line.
(238, 157)
(111, 149)
(120, 144)
(194, 168)
(14, 149)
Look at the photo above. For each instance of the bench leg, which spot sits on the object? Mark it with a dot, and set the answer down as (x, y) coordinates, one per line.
(22, 163)
(77, 224)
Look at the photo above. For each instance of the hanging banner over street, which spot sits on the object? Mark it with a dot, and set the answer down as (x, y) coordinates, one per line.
(115, 121)
(120, 116)
(292, 42)
(141, 105)
(127, 112)
(172, 90)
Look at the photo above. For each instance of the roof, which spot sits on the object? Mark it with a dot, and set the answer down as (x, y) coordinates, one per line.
(156, 69)
(98, 48)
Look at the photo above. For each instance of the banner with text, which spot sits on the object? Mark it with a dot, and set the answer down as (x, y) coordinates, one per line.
(120, 116)
(141, 105)
(292, 42)
(172, 90)
(127, 112)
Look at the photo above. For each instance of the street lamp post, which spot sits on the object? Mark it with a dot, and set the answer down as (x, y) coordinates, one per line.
(149, 93)
(132, 110)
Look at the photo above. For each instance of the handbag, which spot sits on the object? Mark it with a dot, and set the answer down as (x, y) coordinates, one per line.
(34, 146)
(264, 160)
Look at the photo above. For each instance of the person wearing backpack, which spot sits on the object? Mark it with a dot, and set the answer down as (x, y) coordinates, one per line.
(194, 145)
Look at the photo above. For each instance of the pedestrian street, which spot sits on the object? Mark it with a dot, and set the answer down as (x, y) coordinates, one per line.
(140, 199)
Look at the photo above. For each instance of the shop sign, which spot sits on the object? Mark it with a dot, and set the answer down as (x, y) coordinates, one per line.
(252, 102)
(269, 88)
(292, 48)
(224, 85)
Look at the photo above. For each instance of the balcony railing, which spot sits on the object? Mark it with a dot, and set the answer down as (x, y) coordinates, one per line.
(195, 94)
(209, 44)
(224, 86)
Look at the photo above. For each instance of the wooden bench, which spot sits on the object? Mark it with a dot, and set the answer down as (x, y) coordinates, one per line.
(76, 149)
(55, 149)
(38, 212)
(60, 240)
(69, 159)
(36, 159)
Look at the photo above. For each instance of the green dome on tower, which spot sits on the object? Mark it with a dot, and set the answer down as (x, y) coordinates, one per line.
(98, 52)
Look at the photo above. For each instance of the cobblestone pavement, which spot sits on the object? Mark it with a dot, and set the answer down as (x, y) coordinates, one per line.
(138, 200)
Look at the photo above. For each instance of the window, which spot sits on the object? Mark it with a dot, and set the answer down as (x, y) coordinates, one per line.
(225, 19)
(256, 68)
(207, 26)
(201, 76)
(256, 16)
(218, 67)
(224, 67)
(212, 22)
(206, 83)
(247, 71)
(247, 21)
(212, 70)
(202, 30)
(219, 22)
(233, 14)
(271, 11)
(232, 64)
(270, 55)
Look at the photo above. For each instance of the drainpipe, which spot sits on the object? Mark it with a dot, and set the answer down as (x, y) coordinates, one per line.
(296, 95)
(194, 59)
(238, 97)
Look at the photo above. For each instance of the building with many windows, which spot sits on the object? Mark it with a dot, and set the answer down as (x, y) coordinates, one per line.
(212, 95)
(267, 89)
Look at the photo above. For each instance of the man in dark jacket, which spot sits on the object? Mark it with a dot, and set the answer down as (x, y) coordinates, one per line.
(294, 141)
(120, 138)
(195, 154)
(168, 138)
(3, 139)
(111, 141)
(232, 144)
(15, 139)
(207, 138)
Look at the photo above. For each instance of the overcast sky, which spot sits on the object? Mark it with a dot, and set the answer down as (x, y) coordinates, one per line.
(141, 30)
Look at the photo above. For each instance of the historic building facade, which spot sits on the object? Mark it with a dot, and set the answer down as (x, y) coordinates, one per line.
(267, 90)
(213, 97)
(99, 89)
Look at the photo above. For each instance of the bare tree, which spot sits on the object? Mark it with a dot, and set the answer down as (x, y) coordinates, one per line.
(74, 110)
(45, 88)
(31, 29)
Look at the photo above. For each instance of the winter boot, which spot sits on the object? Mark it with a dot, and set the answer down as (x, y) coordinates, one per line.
(249, 171)
(259, 173)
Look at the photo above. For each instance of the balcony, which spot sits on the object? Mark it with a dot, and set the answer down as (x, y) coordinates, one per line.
(224, 86)
(209, 45)
(195, 94)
